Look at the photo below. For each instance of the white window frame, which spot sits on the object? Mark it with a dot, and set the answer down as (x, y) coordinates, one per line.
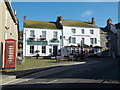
(91, 31)
(83, 31)
(33, 33)
(73, 30)
(32, 49)
(55, 34)
(44, 35)
(43, 49)
(73, 40)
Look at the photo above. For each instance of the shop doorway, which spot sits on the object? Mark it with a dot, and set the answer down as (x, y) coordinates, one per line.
(55, 49)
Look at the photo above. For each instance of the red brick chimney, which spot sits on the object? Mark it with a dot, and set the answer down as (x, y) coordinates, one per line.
(24, 17)
(59, 18)
(93, 21)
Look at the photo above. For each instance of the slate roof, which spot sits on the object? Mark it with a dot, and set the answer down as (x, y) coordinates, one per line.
(55, 25)
(77, 23)
(39, 24)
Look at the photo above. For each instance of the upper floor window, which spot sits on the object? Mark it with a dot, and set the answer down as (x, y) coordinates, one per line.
(44, 34)
(32, 33)
(73, 40)
(73, 30)
(55, 34)
(82, 31)
(91, 32)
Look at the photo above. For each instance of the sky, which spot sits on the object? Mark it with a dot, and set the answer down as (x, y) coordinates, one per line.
(80, 11)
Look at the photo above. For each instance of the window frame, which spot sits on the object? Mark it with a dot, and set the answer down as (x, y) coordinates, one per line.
(73, 39)
(44, 34)
(83, 31)
(32, 49)
(73, 32)
(33, 33)
(44, 49)
(55, 34)
(91, 31)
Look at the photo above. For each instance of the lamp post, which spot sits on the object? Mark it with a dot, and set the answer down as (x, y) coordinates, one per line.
(82, 53)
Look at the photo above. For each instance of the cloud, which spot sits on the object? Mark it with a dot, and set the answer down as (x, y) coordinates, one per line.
(87, 13)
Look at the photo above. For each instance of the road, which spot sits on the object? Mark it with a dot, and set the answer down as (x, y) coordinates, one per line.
(96, 73)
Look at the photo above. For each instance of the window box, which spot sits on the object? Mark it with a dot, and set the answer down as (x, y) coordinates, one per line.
(42, 38)
(55, 38)
(32, 38)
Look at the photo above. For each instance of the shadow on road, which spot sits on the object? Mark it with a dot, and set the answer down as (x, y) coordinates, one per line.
(63, 85)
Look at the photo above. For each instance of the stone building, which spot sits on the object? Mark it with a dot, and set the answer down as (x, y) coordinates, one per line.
(8, 26)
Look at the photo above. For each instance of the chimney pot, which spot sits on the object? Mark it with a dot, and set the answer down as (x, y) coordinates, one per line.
(24, 17)
(59, 18)
(93, 20)
(15, 12)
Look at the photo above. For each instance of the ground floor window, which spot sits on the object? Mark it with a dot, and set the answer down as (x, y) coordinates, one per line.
(50, 50)
(31, 49)
(43, 49)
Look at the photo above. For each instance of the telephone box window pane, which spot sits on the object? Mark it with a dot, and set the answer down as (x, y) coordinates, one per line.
(31, 49)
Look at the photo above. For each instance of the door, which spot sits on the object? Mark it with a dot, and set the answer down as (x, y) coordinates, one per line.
(55, 49)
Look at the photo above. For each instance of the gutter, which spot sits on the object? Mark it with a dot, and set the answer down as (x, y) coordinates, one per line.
(11, 12)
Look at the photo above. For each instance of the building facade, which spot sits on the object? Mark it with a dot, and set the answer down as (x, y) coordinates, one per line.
(63, 37)
(8, 26)
(111, 37)
(118, 39)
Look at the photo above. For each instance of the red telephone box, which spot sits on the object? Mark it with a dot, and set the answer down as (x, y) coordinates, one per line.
(10, 54)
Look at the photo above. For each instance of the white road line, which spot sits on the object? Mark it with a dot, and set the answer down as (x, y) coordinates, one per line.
(48, 82)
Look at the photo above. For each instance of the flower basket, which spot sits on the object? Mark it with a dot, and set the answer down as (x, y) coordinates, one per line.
(42, 38)
(32, 38)
(55, 38)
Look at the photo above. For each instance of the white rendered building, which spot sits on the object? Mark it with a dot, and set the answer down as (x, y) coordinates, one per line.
(62, 37)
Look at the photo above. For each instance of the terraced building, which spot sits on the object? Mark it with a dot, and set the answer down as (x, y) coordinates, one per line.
(62, 37)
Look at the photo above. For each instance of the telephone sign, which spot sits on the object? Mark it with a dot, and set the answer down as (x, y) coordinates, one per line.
(10, 54)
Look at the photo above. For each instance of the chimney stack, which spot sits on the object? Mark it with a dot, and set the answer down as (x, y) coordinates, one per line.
(109, 21)
(93, 21)
(24, 17)
(59, 19)
(15, 12)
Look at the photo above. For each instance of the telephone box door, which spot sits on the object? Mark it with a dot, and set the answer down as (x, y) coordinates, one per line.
(10, 54)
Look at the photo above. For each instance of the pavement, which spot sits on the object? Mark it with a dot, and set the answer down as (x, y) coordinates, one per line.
(10, 76)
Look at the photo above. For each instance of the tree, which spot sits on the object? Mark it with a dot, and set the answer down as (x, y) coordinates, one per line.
(37, 51)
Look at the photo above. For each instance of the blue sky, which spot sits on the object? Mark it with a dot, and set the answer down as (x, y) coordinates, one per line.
(81, 11)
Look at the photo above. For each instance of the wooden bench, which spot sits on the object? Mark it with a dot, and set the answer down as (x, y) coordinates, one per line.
(61, 58)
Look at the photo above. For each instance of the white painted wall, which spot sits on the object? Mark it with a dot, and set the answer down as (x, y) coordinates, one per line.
(38, 32)
(67, 33)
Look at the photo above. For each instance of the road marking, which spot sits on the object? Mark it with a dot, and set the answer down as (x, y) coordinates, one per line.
(10, 81)
(48, 82)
